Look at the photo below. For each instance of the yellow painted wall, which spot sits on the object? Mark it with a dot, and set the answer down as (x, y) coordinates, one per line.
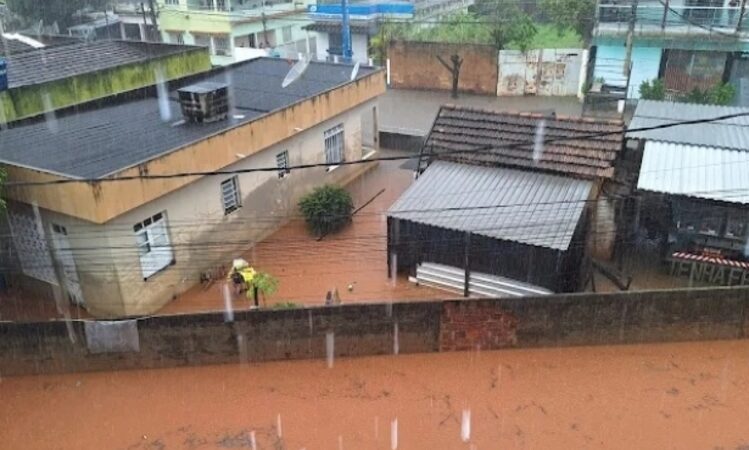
(100, 202)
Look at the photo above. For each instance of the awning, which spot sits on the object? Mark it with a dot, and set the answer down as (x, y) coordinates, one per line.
(530, 207)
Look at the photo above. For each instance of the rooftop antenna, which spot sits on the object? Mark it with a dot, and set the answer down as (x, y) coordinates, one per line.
(296, 71)
(355, 71)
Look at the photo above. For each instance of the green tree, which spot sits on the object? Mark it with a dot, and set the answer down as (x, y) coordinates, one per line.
(578, 15)
(507, 23)
(652, 90)
(327, 209)
(51, 11)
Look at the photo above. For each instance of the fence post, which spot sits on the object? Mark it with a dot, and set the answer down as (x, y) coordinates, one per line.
(467, 263)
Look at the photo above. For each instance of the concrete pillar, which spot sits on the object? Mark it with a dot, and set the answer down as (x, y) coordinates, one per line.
(122, 31)
(211, 45)
(142, 30)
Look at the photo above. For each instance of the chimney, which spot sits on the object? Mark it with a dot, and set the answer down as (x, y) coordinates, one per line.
(204, 102)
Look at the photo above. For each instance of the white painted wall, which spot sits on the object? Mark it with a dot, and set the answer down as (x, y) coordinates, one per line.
(359, 45)
(197, 221)
(321, 44)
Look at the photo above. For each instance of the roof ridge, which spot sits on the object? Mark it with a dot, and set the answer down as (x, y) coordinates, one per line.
(537, 115)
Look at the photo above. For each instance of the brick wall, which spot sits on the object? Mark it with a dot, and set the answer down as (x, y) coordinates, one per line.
(376, 329)
(473, 325)
(413, 65)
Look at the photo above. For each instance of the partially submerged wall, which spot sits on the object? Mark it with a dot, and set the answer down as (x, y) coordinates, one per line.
(373, 329)
(414, 65)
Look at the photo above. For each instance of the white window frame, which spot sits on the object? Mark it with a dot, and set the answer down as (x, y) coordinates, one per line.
(222, 50)
(154, 246)
(282, 162)
(335, 146)
(231, 200)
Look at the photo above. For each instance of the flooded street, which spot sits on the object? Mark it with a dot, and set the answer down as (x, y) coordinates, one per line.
(684, 396)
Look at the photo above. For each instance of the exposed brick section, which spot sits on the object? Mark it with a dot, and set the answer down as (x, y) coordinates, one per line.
(414, 65)
(473, 325)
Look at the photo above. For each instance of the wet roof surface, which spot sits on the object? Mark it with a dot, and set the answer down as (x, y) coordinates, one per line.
(63, 61)
(728, 133)
(515, 205)
(99, 142)
(573, 145)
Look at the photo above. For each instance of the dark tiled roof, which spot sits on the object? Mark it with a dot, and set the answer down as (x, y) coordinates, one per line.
(458, 129)
(103, 141)
(54, 63)
(15, 46)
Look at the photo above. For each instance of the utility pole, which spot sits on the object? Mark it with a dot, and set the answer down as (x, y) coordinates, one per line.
(741, 15)
(145, 21)
(630, 40)
(265, 29)
(346, 33)
(665, 13)
(154, 22)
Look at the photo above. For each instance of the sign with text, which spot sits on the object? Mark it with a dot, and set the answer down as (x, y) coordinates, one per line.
(708, 272)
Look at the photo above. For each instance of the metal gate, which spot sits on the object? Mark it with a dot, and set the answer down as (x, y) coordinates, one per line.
(545, 72)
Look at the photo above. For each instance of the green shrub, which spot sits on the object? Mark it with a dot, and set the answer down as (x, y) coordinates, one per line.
(327, 209)
(720, 94)
(652, 90)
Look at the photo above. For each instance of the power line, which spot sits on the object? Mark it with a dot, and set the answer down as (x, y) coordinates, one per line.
(381, 158)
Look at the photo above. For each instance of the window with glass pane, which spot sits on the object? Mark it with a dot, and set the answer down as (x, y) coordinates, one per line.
(221, 45)
(334, 145)
(154, 248)
(282, 162)
(230, 195)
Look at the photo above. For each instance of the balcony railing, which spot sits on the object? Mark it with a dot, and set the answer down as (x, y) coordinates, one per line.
(678, 18)
(239, 11)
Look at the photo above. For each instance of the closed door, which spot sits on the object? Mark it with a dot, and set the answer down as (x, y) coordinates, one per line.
(64, 255)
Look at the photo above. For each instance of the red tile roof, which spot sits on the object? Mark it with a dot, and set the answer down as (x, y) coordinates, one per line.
(462, 134)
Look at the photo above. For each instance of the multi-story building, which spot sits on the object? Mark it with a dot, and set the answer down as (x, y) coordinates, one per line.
(366, 17)
(686, 43)
(236, 30)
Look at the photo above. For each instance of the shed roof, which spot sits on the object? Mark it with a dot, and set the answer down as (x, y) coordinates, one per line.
(512, 135)
(102, 141)
(730, 133)
(514, 205)
(47, 64)
(695, 171)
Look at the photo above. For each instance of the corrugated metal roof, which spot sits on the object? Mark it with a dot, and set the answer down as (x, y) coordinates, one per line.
(695, 171)
(731, 133)
(529, 207)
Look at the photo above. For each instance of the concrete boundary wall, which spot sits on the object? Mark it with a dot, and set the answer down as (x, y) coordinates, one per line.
(377, 329)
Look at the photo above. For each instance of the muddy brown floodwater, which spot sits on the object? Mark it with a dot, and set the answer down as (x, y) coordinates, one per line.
(679, 396)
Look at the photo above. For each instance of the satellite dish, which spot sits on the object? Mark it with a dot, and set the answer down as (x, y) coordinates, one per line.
(295, 72)
(355, 71)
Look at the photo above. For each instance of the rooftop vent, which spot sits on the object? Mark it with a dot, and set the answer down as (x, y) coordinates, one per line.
(204, 102)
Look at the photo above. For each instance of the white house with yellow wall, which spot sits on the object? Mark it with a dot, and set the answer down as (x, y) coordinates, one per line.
(126, 245)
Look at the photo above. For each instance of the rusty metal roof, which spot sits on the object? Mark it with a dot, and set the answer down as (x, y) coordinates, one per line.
(571, 145)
